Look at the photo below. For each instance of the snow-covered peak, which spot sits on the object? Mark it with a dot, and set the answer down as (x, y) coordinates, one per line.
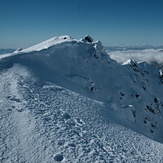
(61, 39)
(54, 42)
(48, 43)
(130, 62)
(43, 45)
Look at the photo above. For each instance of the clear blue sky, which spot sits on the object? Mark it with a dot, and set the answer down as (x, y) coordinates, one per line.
(26, 22)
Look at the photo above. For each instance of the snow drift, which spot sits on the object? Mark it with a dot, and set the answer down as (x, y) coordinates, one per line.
(129, 94)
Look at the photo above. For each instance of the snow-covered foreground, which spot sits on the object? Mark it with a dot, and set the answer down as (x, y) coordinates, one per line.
(42, 122)
(59, 104)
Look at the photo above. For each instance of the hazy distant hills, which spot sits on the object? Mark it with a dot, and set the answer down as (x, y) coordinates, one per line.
(132, 47)
(4, 51)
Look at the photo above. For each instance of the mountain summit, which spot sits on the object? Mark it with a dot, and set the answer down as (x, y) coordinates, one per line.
(69, 89)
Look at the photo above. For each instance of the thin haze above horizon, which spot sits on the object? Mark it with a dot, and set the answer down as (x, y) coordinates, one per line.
(25, 23)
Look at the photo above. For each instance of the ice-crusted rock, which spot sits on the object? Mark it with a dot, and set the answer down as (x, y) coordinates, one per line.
(18, 50)
(88, 38)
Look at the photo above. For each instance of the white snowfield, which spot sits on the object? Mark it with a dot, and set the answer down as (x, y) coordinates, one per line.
(65, 100)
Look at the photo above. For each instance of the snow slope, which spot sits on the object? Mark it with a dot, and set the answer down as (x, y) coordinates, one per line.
(66, 100)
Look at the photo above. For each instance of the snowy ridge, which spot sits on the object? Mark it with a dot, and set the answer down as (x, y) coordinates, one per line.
(43, 45)
(48, 43)
(67, 101)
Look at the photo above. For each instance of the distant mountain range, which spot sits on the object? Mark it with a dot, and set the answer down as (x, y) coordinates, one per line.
(132, 47)
(4, 51)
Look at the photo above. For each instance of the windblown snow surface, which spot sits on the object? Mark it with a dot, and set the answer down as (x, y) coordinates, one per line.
(66, 100)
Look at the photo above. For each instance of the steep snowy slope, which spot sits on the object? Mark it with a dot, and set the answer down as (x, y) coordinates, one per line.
(66, 100)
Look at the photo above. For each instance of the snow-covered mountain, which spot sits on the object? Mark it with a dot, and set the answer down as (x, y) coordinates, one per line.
(66, 100)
